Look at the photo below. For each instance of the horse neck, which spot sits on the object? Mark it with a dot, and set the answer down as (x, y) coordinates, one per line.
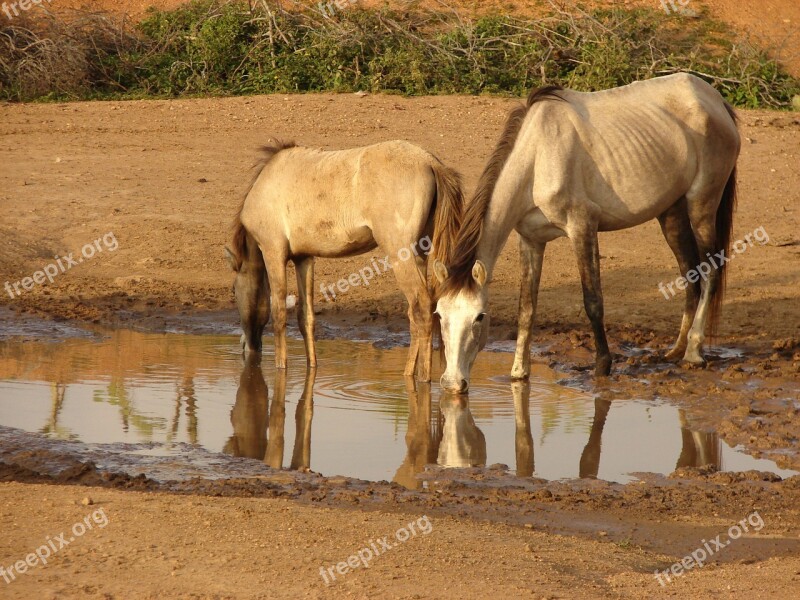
(505, 210)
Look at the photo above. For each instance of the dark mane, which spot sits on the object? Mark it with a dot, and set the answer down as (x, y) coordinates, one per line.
(460, 268)
(239, 242)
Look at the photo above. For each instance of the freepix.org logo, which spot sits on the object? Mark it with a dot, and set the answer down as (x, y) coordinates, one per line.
(12, 9)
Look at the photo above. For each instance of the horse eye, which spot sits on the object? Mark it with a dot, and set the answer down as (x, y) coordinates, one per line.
(480, 317)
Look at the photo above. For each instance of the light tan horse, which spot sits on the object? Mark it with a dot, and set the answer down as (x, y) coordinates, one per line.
(572, 164)
(307, 202)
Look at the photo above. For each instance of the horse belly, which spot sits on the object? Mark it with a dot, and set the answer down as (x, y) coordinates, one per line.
(326, 239)
(621, 212)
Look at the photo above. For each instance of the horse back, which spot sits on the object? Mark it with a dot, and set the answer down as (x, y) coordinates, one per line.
(631, 150)
(330, 203)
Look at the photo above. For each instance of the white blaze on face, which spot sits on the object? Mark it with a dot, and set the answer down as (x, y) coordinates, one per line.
(465, 328)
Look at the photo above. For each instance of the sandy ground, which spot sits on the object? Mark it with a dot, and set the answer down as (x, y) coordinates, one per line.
(155, 545)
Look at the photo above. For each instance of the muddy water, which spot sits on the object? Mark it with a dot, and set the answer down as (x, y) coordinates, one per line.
(355, 416)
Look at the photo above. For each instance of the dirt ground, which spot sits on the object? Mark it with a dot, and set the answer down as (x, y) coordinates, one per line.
(165, 546)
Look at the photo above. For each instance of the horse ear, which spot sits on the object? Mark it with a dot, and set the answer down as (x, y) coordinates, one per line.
(479, 273)
(230, 257)
(440, 271)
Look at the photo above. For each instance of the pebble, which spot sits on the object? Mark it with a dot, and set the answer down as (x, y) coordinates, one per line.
(87, 501)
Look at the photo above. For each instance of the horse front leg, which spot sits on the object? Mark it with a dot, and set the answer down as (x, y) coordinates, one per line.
(277, 277)
(531, 258)
(305, 310)
(587, 251)
(411, 277)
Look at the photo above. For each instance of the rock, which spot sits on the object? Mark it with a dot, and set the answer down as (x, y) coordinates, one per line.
(87, 501)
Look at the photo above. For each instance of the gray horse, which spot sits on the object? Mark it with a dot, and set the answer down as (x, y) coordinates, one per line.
(572, 164)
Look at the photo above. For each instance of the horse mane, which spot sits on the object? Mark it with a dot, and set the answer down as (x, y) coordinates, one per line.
(466, 244)
(239, 242)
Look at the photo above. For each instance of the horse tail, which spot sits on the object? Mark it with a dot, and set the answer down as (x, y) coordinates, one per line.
(724, 226)
(448, 208)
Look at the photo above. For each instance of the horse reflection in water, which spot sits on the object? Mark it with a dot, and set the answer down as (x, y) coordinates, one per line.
(258, 426)
(450, 439)
(698, 448)
(523, 438)
(422, 438)
(453, 439)
(250, 415)
(462, 444)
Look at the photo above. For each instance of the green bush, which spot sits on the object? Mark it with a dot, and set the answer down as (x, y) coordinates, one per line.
(233, 47)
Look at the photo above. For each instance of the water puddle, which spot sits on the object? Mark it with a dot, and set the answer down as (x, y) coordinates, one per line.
(356, 416)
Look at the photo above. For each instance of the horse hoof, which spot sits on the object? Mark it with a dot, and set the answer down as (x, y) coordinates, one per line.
(694, 358)
(695, 363)
(674, 355)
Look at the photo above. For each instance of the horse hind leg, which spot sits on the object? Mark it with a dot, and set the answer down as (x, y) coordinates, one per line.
(587, 252)
(305, 310)
(677, 230)
(702, 216)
